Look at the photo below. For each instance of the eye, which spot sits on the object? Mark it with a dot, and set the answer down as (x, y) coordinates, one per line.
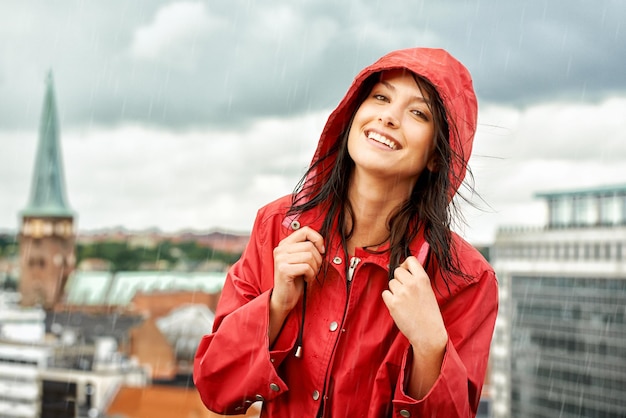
(381, 97)
(422, 115)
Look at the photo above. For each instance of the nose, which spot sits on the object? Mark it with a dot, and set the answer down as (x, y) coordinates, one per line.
(389, 116)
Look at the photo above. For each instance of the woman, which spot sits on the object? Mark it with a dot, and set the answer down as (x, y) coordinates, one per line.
(353, 298)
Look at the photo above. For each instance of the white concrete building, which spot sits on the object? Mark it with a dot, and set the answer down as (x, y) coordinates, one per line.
(56, 374)
(20, 389)
(559, 348)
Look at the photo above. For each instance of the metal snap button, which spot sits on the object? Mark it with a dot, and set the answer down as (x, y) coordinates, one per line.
(333, 326)
(274, 387)
(316, 395)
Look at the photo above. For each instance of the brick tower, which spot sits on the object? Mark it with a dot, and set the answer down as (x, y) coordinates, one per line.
(46, 237)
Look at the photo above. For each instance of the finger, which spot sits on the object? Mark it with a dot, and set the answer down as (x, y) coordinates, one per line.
(312, 258)
(301, 252)
(297, 264)
(387, 298)
(316, 238)
(307, 234)
(297, 247)
(402, 273)
(394, 285)
(413, 266)
(298, 271)
(298, 257)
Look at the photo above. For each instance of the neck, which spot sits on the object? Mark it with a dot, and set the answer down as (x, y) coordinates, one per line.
(372, 203)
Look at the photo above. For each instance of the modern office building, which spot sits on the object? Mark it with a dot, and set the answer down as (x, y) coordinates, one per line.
(559, 348)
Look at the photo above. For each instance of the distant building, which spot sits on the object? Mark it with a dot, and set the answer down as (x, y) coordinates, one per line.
(62, 365)
(87, 344)
(559, 348)
(46, 237)
(19, 379)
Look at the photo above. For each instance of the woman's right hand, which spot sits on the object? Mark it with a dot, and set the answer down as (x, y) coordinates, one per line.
(296, 258)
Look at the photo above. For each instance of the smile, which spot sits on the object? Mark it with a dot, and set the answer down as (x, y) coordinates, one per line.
(382, 139)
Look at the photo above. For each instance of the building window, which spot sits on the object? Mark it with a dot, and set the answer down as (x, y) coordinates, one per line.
(560, 210)
(37, 262)
(609, 210)
(568, 249)
(584, 211)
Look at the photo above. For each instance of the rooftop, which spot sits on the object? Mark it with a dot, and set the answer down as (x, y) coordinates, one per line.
(593, 191)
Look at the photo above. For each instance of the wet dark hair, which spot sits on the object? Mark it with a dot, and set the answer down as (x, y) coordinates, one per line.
(430, 205)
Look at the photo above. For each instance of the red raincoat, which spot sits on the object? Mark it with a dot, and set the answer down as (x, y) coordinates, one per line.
(355, 362)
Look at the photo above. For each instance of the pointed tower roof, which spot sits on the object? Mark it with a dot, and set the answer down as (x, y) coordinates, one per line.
(47, 193)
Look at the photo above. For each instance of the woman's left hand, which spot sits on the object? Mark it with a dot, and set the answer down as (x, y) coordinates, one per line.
(414, 308)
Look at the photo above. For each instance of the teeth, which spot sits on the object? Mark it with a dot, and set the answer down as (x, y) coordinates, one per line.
(383, 140)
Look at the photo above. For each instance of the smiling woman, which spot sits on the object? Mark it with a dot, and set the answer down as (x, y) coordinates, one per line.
(354, 297)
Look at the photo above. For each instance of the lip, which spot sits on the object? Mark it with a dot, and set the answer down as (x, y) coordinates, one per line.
(390, 138)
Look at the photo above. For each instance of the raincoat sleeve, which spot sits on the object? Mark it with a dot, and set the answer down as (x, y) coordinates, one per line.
(233, 365)
(469, 317)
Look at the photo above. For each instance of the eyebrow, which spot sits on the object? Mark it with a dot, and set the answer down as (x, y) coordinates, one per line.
(393, 88)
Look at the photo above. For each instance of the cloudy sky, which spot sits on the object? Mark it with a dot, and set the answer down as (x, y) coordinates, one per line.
(193, 114)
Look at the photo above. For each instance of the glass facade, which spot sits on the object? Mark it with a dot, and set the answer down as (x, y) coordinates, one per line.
(568, 347)
(585, 208)
(559, 347)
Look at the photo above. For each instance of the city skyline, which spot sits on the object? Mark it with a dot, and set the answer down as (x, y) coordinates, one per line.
(172, 112)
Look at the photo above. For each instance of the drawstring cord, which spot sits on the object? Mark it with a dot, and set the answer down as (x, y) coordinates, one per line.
(424, 253)
(299, 340)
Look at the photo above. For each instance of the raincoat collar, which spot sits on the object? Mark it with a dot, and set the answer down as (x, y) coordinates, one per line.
(314, 218)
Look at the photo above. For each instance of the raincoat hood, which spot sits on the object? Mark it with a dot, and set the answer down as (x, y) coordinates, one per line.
(452, 81)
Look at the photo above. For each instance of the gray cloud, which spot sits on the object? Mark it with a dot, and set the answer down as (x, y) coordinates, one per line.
(186, 64)
(193, 114)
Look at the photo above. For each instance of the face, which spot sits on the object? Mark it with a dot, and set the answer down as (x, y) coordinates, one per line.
(392, 133)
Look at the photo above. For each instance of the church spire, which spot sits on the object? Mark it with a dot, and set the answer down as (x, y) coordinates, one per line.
(47, 194)
(47, 237)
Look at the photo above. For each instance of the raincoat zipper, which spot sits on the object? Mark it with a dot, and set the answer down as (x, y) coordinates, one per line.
(354, 262)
